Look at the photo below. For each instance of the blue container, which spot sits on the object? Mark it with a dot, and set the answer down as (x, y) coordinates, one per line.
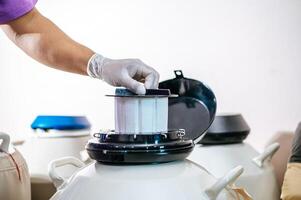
(46, 122)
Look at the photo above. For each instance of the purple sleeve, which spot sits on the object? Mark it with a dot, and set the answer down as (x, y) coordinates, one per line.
(12, 9)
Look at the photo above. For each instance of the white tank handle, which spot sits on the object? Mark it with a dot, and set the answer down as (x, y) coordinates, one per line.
(212, 192)
(58, 180)
(84, 156)
(5, 142)
(267, 154)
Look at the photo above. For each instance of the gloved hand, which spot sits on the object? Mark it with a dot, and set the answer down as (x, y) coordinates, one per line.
(296, 146)
(130, 73)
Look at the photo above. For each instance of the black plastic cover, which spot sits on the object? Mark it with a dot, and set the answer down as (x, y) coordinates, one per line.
(194, 108)
(227, 129)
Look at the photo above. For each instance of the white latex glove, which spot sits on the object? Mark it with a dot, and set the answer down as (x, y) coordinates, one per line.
(129, 73)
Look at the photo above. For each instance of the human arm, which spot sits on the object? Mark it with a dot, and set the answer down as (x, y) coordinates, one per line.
(42, 40)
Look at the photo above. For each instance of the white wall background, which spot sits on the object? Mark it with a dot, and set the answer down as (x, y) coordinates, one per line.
(248, 51)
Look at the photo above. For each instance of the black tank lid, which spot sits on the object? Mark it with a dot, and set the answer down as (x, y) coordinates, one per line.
(194, 108)
(125, 149)
(227, 128)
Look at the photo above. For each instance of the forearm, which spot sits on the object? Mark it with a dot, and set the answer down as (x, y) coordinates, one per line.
(45, 42)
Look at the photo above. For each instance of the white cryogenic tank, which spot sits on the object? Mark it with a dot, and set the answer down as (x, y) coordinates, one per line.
(141, 159)
(223, 148)
(53, 137)
(180, 180)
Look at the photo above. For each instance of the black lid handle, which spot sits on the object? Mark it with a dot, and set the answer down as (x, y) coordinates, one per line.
(179, 73)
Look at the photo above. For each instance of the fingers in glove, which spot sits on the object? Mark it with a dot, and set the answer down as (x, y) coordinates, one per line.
(150, 75)
(133, 85)
(152, 80)
(149, 82)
